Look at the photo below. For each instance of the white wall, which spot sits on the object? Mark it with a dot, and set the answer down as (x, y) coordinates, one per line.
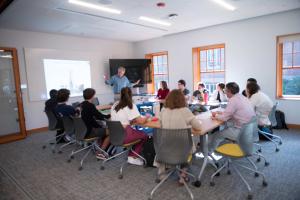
(250, 51)
(35, 118)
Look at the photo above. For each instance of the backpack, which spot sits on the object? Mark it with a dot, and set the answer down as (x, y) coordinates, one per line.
(280, 119)
(149, 152)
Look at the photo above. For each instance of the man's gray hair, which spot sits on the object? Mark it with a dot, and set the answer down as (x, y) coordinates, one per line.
(122, 68)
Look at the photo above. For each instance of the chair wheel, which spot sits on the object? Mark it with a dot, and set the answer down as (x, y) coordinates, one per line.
(256, 174)
(218, 174)
(228, 172)
(258, 160)
(157, 180)
(280, 143)
(265, 184)
(53, 151)
(44, 147)
(71, 157)
(80, 168)
(277, 150)
(102, 167)
(197, 183)
(250, 196)
(120, 177)
(69, 160)
(212, 184)
(60, 152)
(267, 164)
(149, 198)
(259, 150)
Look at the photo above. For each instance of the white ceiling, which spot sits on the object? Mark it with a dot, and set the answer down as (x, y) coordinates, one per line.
(58, 16)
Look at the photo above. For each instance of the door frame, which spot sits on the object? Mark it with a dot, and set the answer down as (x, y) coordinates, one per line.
(22, 134)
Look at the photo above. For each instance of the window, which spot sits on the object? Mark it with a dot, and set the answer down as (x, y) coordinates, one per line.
(74, 75)
(209, 65)
(288, 66)
(159, 69)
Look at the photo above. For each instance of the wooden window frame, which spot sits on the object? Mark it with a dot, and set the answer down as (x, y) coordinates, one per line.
(151, 86)
(196, 62)
(279, 70)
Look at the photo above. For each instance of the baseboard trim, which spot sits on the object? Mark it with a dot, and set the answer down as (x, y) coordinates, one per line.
(296, 126)
(37, 130)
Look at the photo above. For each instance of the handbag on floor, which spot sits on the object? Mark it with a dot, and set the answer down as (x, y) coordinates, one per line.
(148, 151)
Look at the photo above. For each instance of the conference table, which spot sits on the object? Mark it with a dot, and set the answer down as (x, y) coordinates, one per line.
(207, 125)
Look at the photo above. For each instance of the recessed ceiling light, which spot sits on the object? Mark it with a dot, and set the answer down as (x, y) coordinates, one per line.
(224, 4)
(155, 21)
(94, 6)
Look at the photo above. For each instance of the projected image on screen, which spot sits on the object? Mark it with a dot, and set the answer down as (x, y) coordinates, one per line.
(74, 75)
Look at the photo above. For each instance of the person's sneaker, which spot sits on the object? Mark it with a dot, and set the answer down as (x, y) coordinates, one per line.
(101, 156)
(135, 161)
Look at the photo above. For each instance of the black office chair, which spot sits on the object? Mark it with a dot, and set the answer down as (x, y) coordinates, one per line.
(117, 136)
(69, 130)
(53, 126)
(80, 133)
(174, 148)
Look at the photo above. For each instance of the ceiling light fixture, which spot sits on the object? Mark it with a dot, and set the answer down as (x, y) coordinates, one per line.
(94, 6)
(224, 4)
(155, 21)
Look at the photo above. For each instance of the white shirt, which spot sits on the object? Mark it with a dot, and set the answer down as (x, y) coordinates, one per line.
(262, 105)
(124, 115)
(214, 96)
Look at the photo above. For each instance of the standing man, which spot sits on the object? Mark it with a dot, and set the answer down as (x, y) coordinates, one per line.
(118, 82)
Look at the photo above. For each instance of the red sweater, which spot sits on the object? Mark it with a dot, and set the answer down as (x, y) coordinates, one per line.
(162, 94)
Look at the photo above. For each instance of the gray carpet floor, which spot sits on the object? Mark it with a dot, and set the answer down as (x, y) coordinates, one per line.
(28, 172)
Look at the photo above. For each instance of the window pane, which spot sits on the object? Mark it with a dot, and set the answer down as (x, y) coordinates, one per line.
(296, 46)
(165, 69)
(287, 47)
(287, 60)
(222, 59)
(217, 59)
(211, 79)
(154, 60)
(203, 55)
(291, 82)
(159, 60)
(296, 59)
(165, 59)
(203, 66)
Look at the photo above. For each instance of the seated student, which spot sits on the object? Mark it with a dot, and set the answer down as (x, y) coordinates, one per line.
(181, 86)
(199, 93)
(250, 80)
(127, 112)
(219, 94)
(90, 115)
(62, 109)
(238, 110)
(262, 105)
(175, 115)
(50, 105)
(162, 93)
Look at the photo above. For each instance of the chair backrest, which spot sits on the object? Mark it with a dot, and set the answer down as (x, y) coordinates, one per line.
(95, 101)
(272, 115)
(52, 120)
(68, 124)
(245, 139)
(80, 128)
(172, 146)
(116, 132)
